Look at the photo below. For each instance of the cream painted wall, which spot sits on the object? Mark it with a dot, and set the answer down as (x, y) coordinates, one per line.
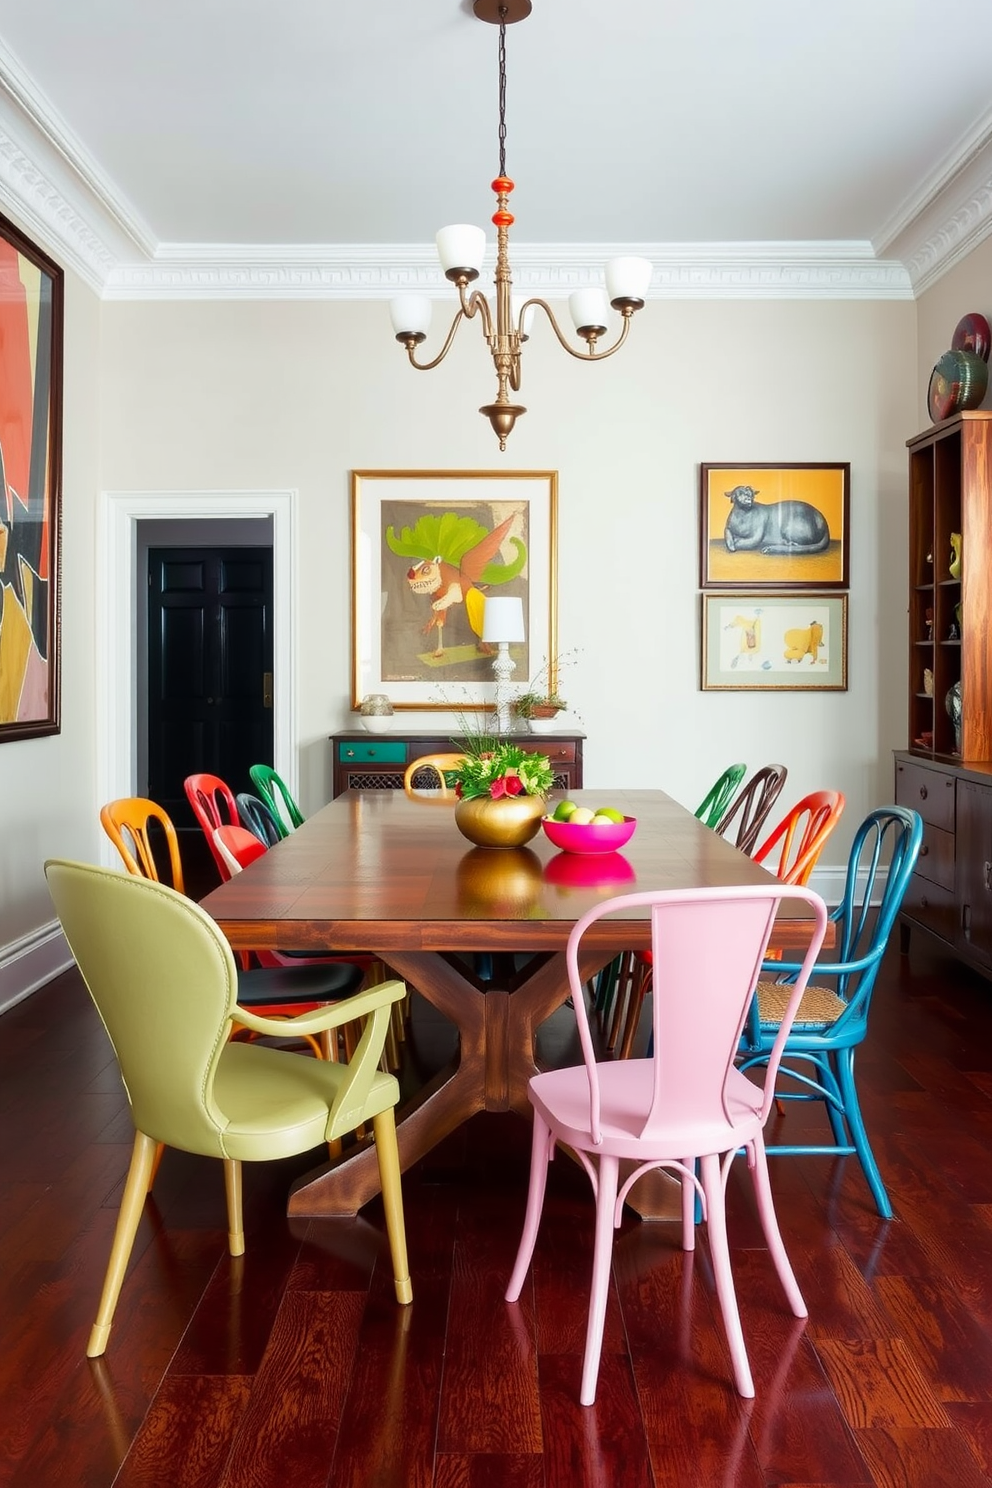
(47, 785)
(244, 395)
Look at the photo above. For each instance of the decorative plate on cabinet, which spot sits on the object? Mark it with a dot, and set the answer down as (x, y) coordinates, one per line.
(959, 380)
(973, 333)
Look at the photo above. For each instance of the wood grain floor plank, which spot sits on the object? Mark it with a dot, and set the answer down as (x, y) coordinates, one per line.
(289, 1425)
(186, 1437)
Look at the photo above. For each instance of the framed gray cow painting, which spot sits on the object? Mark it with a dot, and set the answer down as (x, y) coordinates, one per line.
(774, 526)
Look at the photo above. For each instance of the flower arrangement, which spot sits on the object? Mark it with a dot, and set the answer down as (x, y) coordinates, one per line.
(496, 769)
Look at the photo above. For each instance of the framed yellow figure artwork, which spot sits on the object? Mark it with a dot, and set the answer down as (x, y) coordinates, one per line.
(759, 641)
(774, 526)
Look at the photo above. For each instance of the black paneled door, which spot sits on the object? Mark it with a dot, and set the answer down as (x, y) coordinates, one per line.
(209, 669)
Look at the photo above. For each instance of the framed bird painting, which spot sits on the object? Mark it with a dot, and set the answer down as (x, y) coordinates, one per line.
(428, 547)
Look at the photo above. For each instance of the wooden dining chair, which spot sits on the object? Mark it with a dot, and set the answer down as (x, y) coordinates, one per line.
(165, 983)
(751, 806)
(432, 767)
(684, 1106)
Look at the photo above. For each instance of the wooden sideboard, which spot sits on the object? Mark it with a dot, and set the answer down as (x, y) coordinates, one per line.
(364, 761)
(950, 893)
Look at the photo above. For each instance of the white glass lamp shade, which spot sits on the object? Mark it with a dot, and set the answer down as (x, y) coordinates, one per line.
(588, 308)
(461, 247)
(516, 302)
(503, 619)
(627, 278)
(411, 315)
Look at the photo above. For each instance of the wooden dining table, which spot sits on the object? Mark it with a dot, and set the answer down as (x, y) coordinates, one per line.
(383, 873)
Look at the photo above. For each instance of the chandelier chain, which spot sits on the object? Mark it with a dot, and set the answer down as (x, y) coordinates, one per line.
(502, 90)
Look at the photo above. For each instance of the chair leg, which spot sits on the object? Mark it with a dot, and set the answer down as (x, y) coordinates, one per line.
(689, 1197)
(640, 985)
(156, 1164)
(388, 1158)
(132, 1203)
(235, 1223)
(716, 1227)
(606, 1207)
(541, 1148)
(769, 1223)
(859, 1136)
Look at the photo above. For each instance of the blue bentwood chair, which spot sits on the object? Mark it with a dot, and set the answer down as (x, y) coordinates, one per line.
(833, 1020)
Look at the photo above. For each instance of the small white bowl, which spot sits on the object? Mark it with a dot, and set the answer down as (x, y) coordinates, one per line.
(377, 723)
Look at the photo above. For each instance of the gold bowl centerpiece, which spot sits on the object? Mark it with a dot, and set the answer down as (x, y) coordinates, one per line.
(501, 791)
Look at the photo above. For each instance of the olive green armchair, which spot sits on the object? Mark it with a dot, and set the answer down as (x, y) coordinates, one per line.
(165, 983)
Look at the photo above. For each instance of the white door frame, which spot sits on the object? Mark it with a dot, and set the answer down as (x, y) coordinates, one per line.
(116, 650)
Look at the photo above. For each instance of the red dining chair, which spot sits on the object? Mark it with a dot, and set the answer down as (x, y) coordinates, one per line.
(213, 804)
(686, 1105)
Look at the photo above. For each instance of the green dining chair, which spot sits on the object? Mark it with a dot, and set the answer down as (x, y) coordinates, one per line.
(717, 798)
(164, 981)
(277, 796)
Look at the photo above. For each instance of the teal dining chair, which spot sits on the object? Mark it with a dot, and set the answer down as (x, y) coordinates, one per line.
(278, 798)
(832, 1020)
(718, 797)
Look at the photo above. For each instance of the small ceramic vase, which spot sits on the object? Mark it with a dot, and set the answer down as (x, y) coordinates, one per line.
(928, 681)
(953, 705)
(954, 568)
(509, 821)
(377, 713)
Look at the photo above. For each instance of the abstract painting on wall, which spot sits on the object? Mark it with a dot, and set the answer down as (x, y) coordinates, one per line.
(31, 300)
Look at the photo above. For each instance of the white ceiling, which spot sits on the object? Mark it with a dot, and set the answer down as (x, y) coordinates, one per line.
(206, 144)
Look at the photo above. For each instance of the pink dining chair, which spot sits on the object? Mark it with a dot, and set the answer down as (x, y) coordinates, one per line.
(688, 1103)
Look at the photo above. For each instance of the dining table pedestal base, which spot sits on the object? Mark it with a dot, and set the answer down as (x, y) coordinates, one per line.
(497, 1032)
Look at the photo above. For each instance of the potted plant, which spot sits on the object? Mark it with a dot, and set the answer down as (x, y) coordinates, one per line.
(540, 704)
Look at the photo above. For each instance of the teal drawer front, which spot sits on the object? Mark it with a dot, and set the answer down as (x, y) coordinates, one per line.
(381, 751)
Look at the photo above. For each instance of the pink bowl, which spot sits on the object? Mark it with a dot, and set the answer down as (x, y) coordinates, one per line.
(585, 838)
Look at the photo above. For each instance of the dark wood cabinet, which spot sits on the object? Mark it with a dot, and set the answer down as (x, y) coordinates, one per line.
(364, 761)
(950, 893)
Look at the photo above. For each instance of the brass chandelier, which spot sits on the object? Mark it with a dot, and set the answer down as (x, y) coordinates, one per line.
(460, 249)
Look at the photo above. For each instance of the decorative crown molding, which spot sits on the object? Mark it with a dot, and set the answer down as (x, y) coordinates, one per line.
(63, 199)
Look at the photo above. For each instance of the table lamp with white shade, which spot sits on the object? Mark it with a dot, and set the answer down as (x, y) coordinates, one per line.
(503, 622)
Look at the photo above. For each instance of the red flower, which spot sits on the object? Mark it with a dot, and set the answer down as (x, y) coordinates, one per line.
(514, 785)
(458, 789)
(498, 788)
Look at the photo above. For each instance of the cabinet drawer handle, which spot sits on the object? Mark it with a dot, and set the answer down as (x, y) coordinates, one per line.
(923, 792)
(924, 850)
(924, 902)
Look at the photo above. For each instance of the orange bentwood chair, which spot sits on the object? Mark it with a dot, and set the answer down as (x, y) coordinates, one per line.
(796, 843)
(434, 766)
(687, 1104)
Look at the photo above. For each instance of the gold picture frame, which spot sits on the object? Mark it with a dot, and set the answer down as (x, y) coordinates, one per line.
(427, 546)
(765, 642)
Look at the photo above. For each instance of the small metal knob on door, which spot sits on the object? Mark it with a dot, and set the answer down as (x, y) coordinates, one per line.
(923, 792)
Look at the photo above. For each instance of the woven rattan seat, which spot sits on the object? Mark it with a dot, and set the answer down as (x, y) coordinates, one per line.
(819, 1007)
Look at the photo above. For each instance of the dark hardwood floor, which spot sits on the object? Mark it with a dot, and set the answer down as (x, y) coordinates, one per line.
(294, 1365)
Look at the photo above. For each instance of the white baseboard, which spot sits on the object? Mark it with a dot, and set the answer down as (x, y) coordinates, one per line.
(28, 963)
(829, 883)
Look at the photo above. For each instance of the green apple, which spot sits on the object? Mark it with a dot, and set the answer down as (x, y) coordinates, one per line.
(602, 820)
(607, 813)
(564, 810)
(581, 816)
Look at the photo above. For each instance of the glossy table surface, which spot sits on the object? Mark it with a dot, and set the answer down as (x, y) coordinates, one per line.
(377, 871)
